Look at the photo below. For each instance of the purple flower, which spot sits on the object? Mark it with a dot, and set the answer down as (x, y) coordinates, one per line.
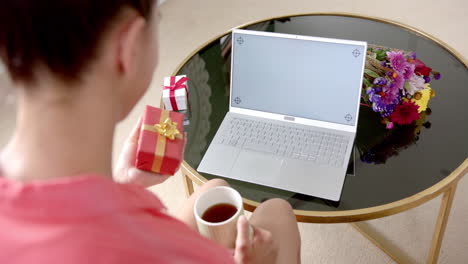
(437, 75)
(397, 60)
(383, 102)
(380, 81)
(375, 98)
(413, 55)
(376, 107)
(387, 110)
(427, 79)
(389, 73)
(383, 63)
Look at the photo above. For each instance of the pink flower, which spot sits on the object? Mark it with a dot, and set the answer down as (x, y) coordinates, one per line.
(389, 125)
(409, 71)
(405, 113)
(398, 61)
(398, 82)
(390, 96)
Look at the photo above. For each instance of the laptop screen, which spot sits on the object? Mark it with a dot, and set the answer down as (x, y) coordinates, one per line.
(297, 77)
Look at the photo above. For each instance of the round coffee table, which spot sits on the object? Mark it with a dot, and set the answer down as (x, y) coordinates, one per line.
(388, 174)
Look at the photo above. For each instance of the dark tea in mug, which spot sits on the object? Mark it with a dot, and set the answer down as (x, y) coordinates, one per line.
(219, 212)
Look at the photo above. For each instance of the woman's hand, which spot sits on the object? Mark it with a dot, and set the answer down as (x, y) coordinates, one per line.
(260, 249)
(125, 170)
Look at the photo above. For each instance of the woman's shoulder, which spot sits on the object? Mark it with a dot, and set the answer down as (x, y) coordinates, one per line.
(91, 212)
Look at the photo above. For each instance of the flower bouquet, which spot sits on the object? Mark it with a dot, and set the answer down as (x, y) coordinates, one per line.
(396, 94)
(397, 85)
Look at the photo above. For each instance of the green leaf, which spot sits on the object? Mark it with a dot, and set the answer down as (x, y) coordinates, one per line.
(381, 54)
(371, 73)
(367, 83)
(407, 86)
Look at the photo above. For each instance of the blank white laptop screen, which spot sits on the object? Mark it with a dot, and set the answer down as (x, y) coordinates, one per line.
(297, 77)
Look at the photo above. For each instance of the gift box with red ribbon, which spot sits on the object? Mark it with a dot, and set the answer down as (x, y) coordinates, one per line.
(175, 93)
(161, 142)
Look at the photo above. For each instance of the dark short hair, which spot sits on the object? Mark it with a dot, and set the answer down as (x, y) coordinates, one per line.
(62, 35)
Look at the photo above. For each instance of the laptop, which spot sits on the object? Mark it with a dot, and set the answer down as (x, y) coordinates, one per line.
(293, 112)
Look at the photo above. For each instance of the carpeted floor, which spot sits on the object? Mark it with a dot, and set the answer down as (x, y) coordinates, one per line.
(186, 24)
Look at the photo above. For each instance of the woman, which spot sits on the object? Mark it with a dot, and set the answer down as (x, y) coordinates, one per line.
(79, 67)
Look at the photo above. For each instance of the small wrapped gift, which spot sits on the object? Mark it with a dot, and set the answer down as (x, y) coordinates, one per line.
(161, 141)
(175, 93)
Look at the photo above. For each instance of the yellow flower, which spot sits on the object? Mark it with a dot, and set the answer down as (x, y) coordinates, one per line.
(422, 97)
(419, 123)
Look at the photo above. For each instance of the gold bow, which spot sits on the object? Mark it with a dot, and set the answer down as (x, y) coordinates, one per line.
(168, 129)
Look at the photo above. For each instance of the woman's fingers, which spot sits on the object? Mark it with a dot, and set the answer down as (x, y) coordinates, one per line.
(243, 243)
(135, 134)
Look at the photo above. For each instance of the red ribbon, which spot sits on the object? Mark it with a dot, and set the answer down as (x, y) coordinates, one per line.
(173, 87)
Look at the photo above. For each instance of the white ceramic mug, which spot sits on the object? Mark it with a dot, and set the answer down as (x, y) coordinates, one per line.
(224, 233)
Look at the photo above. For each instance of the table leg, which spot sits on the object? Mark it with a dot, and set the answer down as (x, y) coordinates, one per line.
(188, 184)
(441, 224)
(389, 248)
(394, 252)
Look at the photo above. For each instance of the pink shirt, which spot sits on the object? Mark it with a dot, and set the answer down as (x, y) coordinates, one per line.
(91, 219)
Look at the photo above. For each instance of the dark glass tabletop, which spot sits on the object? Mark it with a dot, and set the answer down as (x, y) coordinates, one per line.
(385, 166)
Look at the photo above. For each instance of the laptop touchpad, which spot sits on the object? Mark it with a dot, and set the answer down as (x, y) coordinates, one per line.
(257, 167)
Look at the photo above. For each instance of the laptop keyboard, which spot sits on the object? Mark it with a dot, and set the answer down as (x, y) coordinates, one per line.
(297, 143)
